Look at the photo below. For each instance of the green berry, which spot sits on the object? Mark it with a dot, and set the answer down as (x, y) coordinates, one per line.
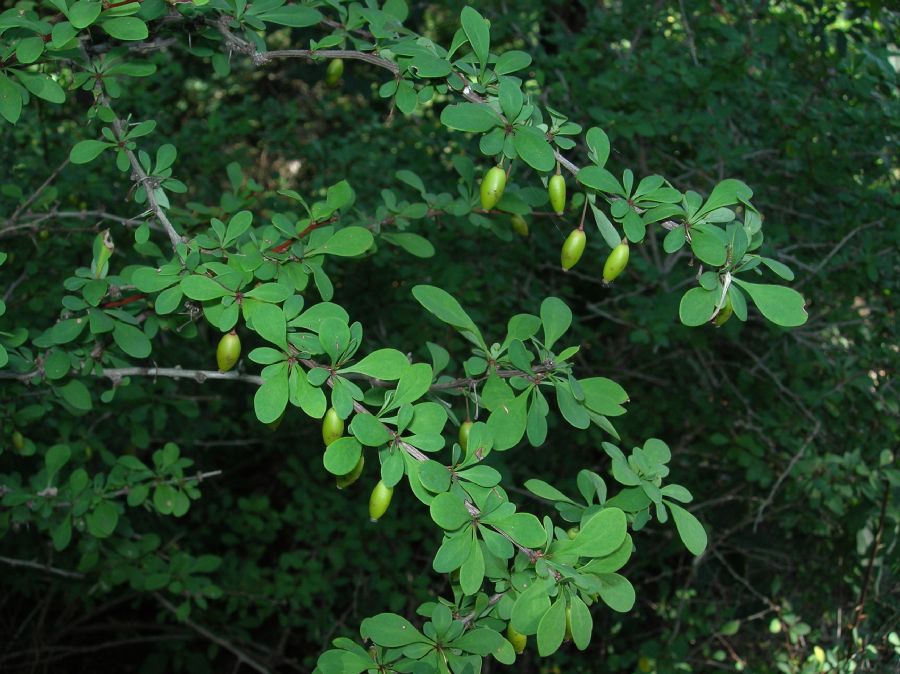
(572, 249)
(492, 186)
(228, 351)
(332, 426)
(343, 481)
(616, 262)
(724, 313)
(516, 638)
(519, 225)
(380, 500)
(333, 72)
(557, 190)
(464, 429)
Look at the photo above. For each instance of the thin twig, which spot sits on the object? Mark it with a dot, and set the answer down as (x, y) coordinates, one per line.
(224, 643)
(41, 567)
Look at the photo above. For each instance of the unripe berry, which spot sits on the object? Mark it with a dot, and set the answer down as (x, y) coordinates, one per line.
(724, 313)
(516, 638)
(557, 190)
(464, 429)
(572, 249)
(379, 500)
(346, 480)
(332, 426)
(228, 351)
(333, 72)
(519, 225)
(616, 262)
(492, 186)
(18, 441)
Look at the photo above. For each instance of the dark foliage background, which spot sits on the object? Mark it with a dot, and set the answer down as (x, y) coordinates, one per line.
(788, 439)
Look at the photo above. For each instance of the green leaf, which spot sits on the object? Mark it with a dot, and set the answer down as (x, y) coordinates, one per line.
(507, 423)
(471, 573)
(42, 86)
(603, 396)
(203, 288)
(726, 193)
(385, 364)
(512, 61)
(131, 340)
(483, 641)
(76, 394)
(709, 244)
(342, 455)
(449, 512)
(602, 534)
(697, 306)
(524, 528)
(84, 12)
(413, 384)
(411, 243)
(390, 630)
(347, 242)
(453, 553)
(295, 16)
(86, 150)
(334, 336)
(272, 397)
(552, 628)
(582, 623)
(55, 458)
(599, 179)
(692, 533)
(369, 430)
(446, 308)
(269, 323)
(544, 490)
(598, 143)
(473, 117)
(616, 592)
(102, 520)
(781, 305)
(478, 32)
(531, 605)
(240, 222)
(10, 100)
(556, 318)
(532, 146)
(126, 28)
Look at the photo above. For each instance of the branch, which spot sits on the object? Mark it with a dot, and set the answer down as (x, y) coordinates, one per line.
(39, 191)
(475, 615)
(224, 643)
(41, 567)
(140, 177)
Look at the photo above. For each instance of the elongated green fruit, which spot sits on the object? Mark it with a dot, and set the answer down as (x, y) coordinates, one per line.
(333, 72)
(516, 638)
(228, 351)
(616, 262)
(557, 190)
(343, 481)
(572, 249)
(18, 441)
(464, 429)
(519, 225)
(332, 426)
(724, 313)
(492, 186)
(379, 500)
(572, 532)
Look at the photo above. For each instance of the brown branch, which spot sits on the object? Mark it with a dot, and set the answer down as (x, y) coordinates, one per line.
(24, 206)
(139, 176)
(224, 643)
(41, 567)
(864, 590)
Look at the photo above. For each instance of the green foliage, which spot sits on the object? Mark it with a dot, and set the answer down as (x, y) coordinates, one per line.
(367, 273)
